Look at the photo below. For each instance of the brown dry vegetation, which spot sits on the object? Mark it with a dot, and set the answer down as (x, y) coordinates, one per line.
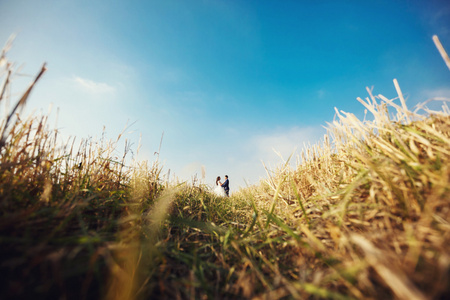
(364, 215)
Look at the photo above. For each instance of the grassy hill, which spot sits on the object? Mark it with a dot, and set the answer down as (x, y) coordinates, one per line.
(364, 215)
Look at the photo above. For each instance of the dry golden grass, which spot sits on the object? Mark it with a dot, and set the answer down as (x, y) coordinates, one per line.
(374, 202)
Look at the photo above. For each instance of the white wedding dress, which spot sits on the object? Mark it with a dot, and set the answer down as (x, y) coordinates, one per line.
(219, 191)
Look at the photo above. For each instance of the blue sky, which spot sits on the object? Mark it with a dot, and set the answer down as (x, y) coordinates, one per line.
(228, 82)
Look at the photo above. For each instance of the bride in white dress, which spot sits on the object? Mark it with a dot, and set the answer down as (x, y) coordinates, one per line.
(218, 189)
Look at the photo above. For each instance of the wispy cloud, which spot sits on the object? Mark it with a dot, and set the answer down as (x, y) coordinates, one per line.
(438, 20)
(93, 87)
(284, 141)
(432, 99)
(442, 14)
(321, 93)
(433, 93)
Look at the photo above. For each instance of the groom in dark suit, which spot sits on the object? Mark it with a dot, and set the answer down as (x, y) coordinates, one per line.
(226, 186)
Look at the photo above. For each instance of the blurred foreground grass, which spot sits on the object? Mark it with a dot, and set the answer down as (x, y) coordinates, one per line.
(364, 215)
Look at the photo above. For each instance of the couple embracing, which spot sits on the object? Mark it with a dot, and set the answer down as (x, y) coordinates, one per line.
(222, 189)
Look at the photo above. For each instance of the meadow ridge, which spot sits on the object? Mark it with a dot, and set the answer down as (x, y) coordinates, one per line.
(364, 215)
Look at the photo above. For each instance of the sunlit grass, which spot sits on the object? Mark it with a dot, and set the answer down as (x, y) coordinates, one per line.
(364, 215)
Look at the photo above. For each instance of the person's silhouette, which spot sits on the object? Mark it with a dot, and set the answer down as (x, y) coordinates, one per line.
(226, 185)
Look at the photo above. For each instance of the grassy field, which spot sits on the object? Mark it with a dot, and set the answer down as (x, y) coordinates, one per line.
(364, 215)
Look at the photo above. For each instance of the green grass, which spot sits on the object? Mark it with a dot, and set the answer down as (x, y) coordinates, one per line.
(363, 216)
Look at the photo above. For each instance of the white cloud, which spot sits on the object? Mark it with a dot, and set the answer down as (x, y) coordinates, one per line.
(284, 141)
(436, 93)
(93, 87)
